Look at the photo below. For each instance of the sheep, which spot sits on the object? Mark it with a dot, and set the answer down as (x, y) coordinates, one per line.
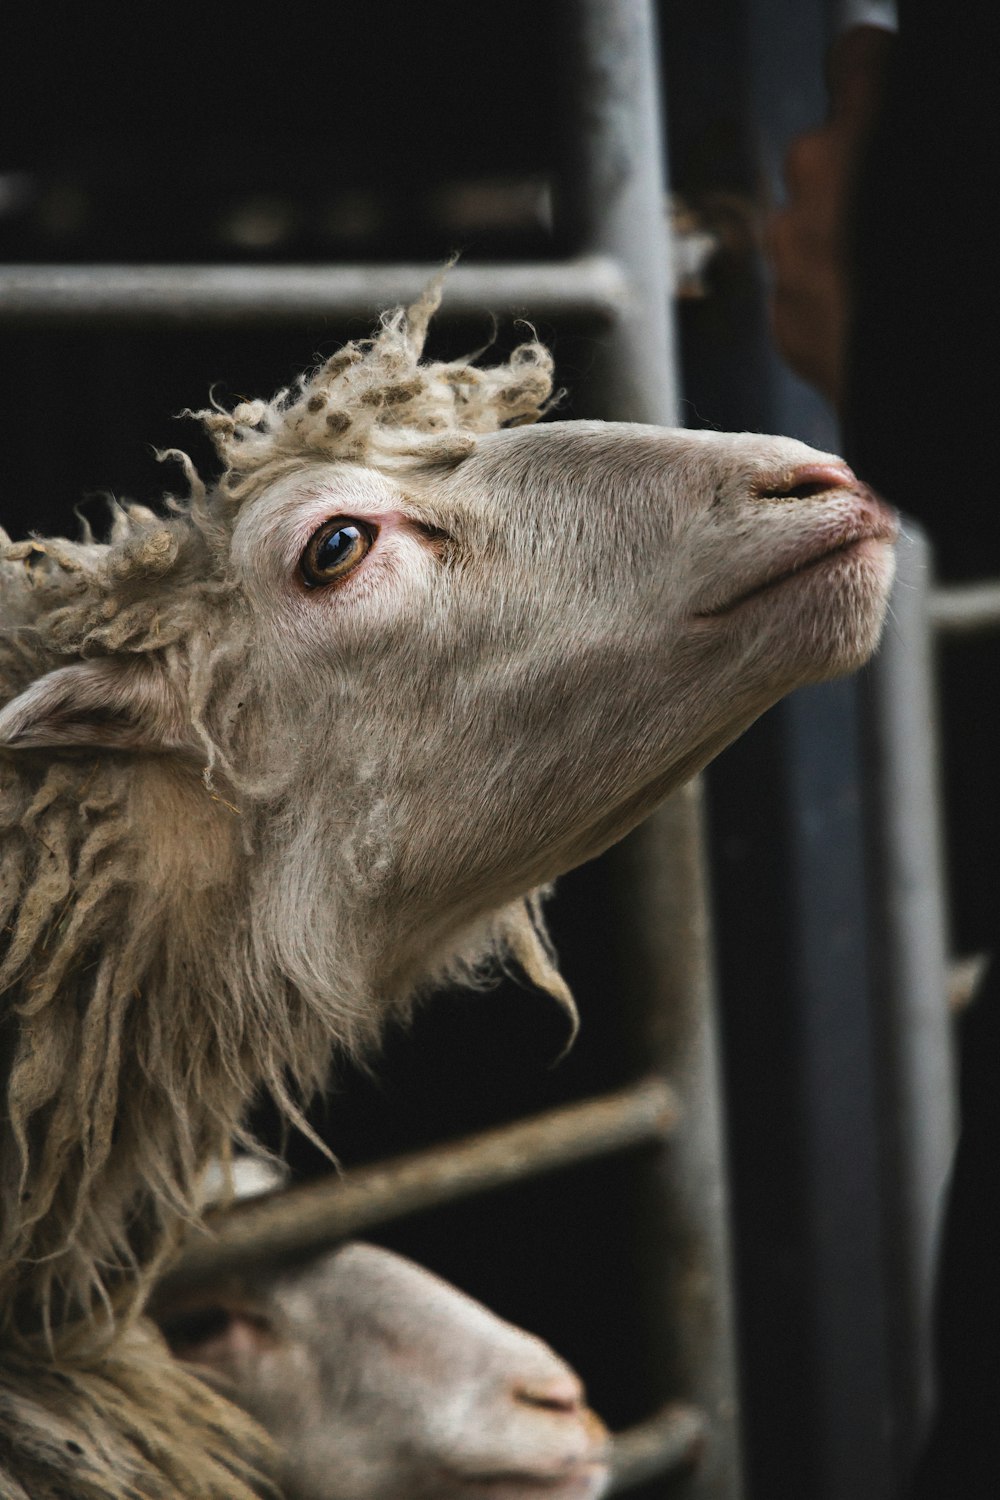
(313, 742)
(379, 1381)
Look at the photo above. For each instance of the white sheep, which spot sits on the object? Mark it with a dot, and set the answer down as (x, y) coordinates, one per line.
(313, 743)
(379, 1381)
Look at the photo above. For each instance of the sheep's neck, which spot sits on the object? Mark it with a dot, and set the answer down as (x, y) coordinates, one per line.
(110, 975)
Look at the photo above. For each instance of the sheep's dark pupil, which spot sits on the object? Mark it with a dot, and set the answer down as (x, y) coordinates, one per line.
(337, 547)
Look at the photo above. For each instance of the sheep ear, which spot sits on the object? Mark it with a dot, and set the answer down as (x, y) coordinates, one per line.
(106, 704)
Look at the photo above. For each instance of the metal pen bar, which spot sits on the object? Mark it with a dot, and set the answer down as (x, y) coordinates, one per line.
(686, 1258)
(615, 194)
(618, 183)
(671, 1440)
(917, 1072)
(965, 608)
(585, 286)
(318, 1214)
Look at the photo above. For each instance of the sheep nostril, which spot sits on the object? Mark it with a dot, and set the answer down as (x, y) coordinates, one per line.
(804, 482)
(560, 1393)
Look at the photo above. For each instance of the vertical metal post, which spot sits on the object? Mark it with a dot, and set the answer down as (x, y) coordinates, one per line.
(664, 918)
(616, 192)
(620, 181)
(910, 957)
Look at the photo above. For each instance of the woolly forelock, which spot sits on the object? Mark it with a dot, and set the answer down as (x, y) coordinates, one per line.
(377, 402)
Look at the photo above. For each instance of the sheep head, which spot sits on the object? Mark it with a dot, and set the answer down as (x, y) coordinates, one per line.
(377, 1379)
(313, 741)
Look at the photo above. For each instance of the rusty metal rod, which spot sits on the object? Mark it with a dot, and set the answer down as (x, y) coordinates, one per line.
(671, 1440)
(318, 1214)
(592, 285)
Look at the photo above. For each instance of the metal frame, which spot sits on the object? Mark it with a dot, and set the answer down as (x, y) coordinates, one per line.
(621, 278)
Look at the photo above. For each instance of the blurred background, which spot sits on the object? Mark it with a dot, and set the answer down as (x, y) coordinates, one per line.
(378, 133)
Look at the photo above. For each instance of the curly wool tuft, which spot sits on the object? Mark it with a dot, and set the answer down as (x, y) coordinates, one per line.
(377, 402)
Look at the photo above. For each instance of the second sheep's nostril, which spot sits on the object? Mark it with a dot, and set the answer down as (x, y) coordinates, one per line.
(803, 482)
(559, 1393)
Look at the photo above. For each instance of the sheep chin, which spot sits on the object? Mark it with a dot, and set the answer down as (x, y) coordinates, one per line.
(822, 618)
(837, 608)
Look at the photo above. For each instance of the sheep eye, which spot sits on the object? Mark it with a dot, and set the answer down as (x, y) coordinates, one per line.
(335, 550)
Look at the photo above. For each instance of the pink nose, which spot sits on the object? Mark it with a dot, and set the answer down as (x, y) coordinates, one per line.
(562, 1392)
(804, 481)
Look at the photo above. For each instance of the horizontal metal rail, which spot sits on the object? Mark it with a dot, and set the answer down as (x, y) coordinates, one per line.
(318, 1214)
(671, 1440)
(966, 608)
(212, 295)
